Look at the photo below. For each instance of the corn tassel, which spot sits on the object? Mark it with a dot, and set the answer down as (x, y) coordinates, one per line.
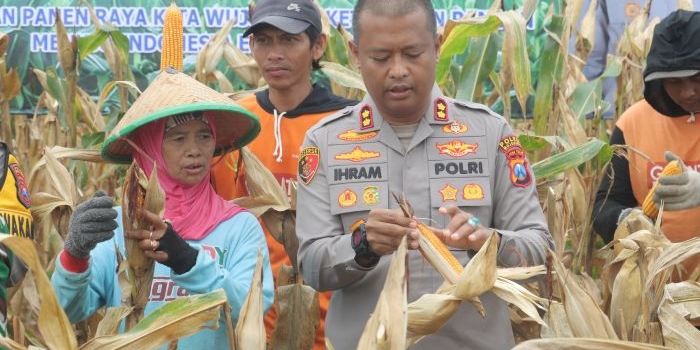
(649, 208)
(432, 248)
(171, 51)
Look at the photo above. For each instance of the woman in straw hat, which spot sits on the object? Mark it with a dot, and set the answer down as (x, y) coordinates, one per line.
(176, 126)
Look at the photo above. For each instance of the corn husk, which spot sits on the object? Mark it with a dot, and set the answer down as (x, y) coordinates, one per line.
(386, 327)
(681, 302)
(298, 313)
(584, 344)
(139, 194)
(250, 329)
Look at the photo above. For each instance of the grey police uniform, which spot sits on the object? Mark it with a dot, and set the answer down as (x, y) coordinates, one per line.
(462, 154)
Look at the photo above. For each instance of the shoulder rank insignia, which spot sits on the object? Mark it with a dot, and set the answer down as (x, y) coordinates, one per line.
(366, 117)
(517, 162)
(308, 164)
(440, 112)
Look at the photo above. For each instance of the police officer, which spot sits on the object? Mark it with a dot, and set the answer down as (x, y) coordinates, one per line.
(459, 165)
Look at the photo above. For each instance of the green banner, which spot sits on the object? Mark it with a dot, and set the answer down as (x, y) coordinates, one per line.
(33, 42)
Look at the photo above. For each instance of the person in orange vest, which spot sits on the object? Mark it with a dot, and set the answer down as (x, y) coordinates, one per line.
(661, 127)
(287, 43)
(16, 220)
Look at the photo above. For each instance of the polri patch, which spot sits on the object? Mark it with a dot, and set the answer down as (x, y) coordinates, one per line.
(440, 112)
(21, 184)
(366, 117)
(449, 193)
(370, 195)
(308, 164)
(517, 162)
(472, 191)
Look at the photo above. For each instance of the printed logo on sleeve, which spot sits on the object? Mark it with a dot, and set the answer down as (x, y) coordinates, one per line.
(21, 183)
(517, 162)
(308, 164)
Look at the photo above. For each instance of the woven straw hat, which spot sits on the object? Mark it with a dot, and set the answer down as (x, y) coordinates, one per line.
(171, 93)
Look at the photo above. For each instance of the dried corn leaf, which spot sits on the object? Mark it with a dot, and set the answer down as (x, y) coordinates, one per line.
(109, 325)
(250, 329)
(684, 297)
(386, 327)
(298, 313)
(174, 320)
(580, 305)
(584, 344)
(243, 65)
(53, 323)
(678, 333)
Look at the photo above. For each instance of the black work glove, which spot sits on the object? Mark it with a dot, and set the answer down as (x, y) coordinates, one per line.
(92, 222)
(181, 255)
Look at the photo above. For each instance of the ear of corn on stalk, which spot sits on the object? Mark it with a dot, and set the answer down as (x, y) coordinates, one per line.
(674, 167)
(139, 194)
(171, 51)
(432, 248)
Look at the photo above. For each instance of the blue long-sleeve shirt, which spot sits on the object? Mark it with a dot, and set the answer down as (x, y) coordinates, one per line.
(226, 259)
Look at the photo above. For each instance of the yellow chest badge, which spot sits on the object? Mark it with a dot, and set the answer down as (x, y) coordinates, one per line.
(357, 155)
(352, 135)
(457, 148)
(455, 128)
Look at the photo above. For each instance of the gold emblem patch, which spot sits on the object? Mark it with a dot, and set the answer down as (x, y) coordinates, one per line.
(347, 198)
(457, 148)
(455, 128)
(472, 191)
(449, 193)
(352, 135)
(357, 155)
(370, 195)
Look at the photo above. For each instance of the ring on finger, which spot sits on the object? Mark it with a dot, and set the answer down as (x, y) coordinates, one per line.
(154, 244)
(474, 222)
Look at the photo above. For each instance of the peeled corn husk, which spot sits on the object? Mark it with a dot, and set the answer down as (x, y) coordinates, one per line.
(250, 329)
(298, 313)
(386, 328)
(139, 193)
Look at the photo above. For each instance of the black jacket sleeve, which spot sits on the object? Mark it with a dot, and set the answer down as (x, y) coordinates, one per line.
(615, 192)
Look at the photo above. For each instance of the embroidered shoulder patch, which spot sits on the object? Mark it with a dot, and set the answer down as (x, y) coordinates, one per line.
(21, 183)
(440, 110)
(366, 118)
(308, 164)
(517, 162)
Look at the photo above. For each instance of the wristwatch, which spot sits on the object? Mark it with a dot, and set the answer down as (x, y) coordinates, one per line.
(363, 253)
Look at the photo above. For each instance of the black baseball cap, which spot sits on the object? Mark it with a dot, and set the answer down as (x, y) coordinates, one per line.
(291, 16)
(674, 53)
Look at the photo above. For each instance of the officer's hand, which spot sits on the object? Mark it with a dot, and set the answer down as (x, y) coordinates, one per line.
(678, 192)
(93, 221)
(386, 227)
(460, 232)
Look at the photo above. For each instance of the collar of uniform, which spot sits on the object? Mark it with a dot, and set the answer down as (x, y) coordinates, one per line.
(369, 119)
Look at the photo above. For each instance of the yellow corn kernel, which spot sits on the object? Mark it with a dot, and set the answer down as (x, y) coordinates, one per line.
(437, 253)
(649, 208)
(171, 50)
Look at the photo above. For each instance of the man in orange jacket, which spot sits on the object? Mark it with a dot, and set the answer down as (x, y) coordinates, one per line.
(287, 43)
